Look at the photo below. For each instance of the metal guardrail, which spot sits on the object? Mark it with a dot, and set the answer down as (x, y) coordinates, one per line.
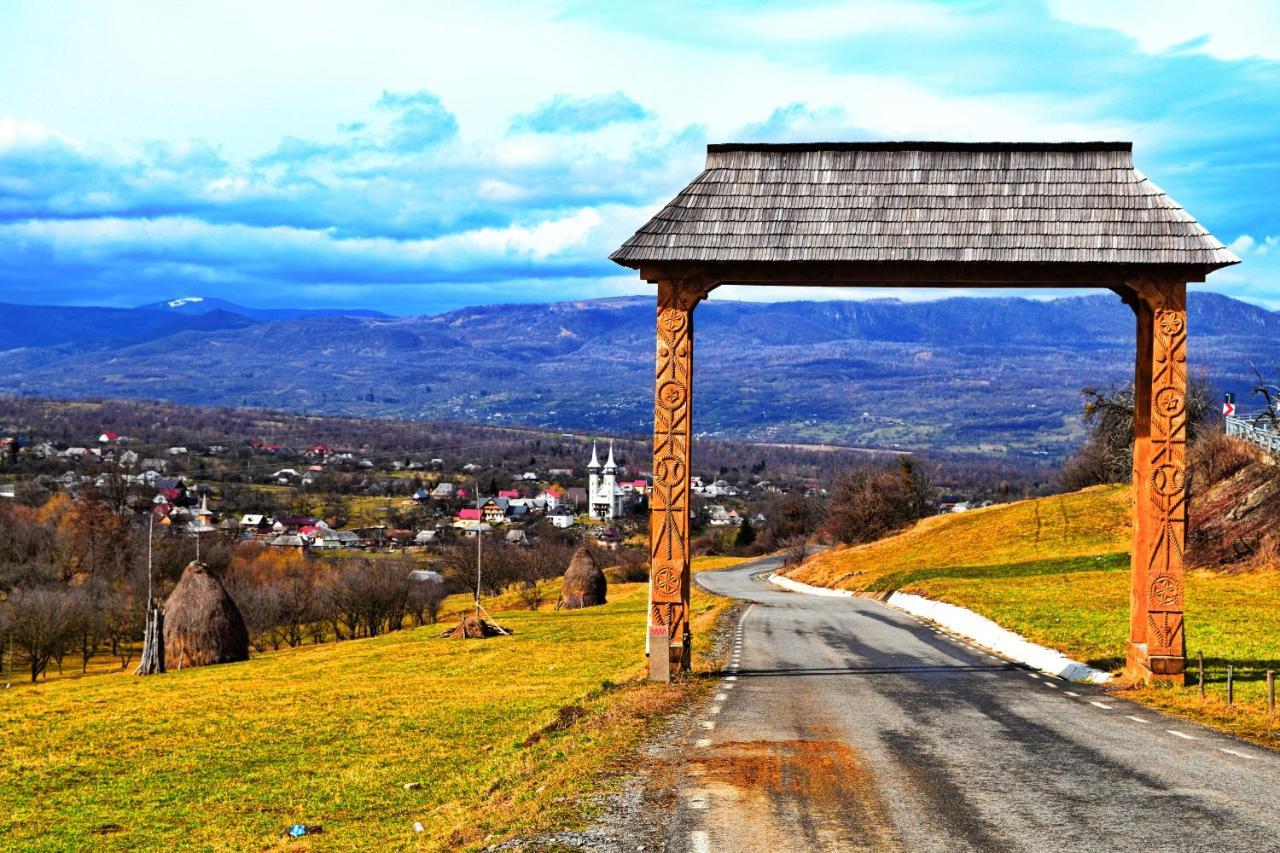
(1260, 434)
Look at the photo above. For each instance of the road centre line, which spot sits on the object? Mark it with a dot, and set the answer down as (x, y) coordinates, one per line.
(1182, 735)
(1139, 720)
(1071, 694)
(1100, 705)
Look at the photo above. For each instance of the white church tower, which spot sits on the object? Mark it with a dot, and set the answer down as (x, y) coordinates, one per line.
(604, 498)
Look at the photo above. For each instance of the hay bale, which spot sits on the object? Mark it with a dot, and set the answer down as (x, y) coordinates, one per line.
(584, 583)
(202, 625)
(472, 628)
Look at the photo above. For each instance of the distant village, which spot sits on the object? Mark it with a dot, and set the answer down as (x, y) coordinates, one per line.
(235, 490)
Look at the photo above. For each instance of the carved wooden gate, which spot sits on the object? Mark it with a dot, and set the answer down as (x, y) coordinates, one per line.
(935, 214)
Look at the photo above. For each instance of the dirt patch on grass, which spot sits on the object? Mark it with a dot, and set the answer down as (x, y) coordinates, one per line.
(566, 717)
(828, 778)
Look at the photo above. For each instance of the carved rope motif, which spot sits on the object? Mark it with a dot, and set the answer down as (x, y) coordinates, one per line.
(672, 420)
(1165, 498)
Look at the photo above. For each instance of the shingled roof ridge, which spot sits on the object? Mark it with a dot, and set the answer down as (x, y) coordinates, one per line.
(924, 201)
(919, 145)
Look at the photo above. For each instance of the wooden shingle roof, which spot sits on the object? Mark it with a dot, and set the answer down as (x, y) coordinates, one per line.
(924, 202)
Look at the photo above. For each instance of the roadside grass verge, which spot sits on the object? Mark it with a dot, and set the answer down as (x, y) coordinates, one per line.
(1093, 522)
(504, 737)
(1056, 571)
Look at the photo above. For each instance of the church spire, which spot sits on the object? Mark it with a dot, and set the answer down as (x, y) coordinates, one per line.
(609, 465)
(595, 460)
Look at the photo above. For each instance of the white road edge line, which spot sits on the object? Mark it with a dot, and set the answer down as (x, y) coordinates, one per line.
(1139, 720)
(699, 841)
(1072, 694)
(1238, 754)
(1100, 705)
(702, 742)
(1182, 735)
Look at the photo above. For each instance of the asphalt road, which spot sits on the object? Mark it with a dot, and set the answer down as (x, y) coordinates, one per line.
(846, 725)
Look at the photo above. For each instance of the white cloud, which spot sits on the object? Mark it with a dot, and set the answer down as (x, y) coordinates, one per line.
(25, 133)
(282, 251)
(1241, 245)
(1227, 29)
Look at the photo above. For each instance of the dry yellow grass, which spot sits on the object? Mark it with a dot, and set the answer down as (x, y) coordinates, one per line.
(504, 736)
(1086, 523)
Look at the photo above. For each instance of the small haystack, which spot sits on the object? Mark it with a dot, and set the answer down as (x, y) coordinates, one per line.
(202, 625)
(584, 583)
(474, 628)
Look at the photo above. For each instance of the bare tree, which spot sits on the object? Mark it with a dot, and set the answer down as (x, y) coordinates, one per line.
(1107, 454)
(1270, 393)
(41, 624)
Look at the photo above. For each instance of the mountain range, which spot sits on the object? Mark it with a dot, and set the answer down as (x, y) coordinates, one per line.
(990, 375)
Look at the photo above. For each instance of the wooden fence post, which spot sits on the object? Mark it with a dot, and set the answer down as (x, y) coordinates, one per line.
(1271, 692)
(1231, 688)
(1200, 656)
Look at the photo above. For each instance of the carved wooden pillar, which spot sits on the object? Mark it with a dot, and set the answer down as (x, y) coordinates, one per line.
(1157, 644)
(669, 546)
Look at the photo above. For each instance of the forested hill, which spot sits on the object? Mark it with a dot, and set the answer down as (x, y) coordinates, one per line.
(984, 374)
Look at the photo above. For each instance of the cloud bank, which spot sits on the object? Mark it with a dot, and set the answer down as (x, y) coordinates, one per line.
(409, 161)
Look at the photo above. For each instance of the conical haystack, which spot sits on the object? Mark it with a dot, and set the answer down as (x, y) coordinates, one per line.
(202, 625)
(473, 628)
(584, 582)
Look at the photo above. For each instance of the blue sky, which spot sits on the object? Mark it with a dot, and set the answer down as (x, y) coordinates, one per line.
(414, 157)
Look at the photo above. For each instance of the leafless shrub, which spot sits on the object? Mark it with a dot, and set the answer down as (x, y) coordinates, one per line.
(1215, 457)
(868, 502)
(794, 549)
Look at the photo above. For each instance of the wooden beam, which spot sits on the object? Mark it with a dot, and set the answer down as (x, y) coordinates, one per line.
(921, 274)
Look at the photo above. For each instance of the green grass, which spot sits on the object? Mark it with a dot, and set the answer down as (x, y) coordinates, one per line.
(226, 757)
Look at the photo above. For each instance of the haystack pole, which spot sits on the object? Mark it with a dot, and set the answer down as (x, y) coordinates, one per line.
(152, 660)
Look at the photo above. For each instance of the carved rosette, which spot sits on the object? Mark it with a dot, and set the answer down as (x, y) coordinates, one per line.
(672, 435)
(1163, 495)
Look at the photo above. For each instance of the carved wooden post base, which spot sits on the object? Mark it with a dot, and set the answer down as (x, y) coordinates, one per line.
(669, 545)
(1157, 644)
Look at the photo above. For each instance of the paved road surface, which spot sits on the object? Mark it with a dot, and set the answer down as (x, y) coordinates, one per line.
(847, 725)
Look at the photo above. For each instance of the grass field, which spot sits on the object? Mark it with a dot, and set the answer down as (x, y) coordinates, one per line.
(502, 737)
(1056, 570)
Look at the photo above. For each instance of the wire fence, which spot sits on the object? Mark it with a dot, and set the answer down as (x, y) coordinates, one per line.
(1232, 675)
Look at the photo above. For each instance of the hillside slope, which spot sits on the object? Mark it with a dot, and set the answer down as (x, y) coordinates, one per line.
(1090, 523)
(997, 375)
